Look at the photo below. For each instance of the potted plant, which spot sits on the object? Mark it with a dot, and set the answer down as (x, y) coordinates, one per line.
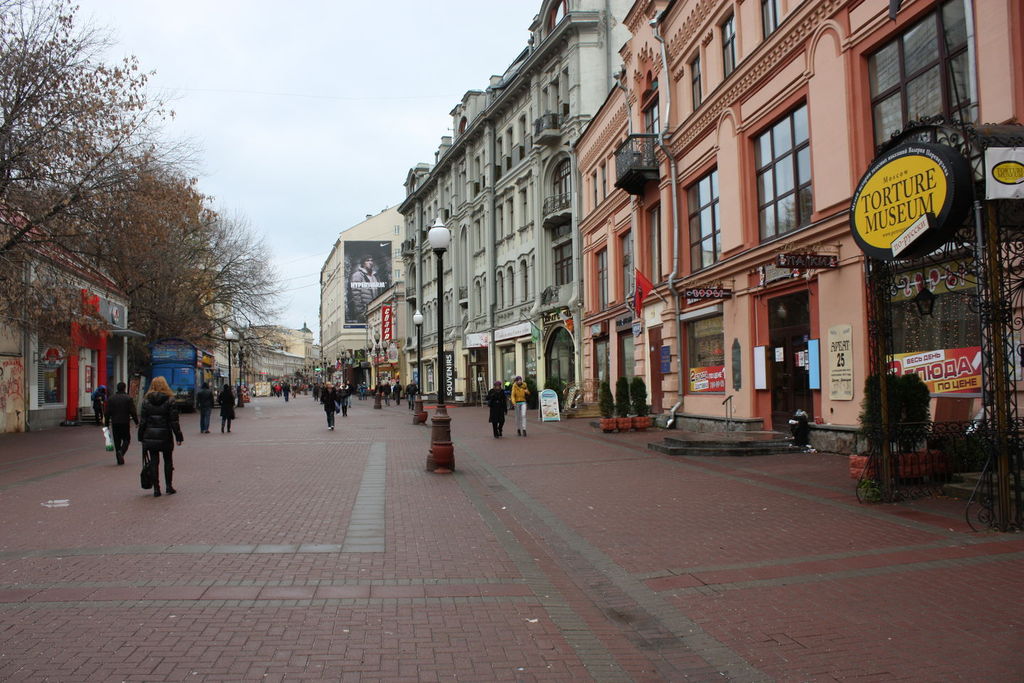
(622, 405)
(606, 404)
(638, 397)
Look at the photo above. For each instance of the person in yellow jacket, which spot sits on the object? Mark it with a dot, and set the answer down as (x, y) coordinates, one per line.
(519, 394)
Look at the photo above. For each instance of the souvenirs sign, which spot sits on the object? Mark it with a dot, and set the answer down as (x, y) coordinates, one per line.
(900, 187)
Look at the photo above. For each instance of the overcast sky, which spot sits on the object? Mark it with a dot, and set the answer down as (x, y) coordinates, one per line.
(309, 114)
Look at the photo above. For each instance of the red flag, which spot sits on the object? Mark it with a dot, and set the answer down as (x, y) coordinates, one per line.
(641, 289)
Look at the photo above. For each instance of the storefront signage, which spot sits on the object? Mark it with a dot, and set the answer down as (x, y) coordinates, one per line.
(624, 323)
(52, 357)
(549, 406)
(1004, 173)
(903, 185)
(707, 380)
(701, 293)
(448, 375)
(770, 272)
(840, 363)
(476, 340)
(513, 331)
(666, 359)
(944, 371)
(599, 329)
(386, 323)
(787, 260)
(638, 329)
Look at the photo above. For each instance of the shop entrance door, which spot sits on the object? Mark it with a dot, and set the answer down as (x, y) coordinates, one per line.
(654, 360)
(789, 330)
(477, 381)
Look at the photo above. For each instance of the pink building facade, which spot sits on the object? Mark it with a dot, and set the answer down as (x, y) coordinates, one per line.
(722, 171)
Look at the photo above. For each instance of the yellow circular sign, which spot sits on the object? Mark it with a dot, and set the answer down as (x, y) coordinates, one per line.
(896, 195)
(1009, 173)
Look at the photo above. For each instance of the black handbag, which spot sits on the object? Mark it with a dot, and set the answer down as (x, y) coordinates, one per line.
(146, 475)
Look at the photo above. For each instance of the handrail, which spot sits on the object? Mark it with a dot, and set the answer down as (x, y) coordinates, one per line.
(728, 412)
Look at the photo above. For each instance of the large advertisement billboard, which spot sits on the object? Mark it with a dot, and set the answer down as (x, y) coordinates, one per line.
(367, 273)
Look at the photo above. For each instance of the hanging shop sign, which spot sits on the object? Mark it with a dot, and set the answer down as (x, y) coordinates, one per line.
(476, 340)
(448, 374)
(513, 331)
(703, 293)
(900, 187)
(624, 323)
(788, 260)
(1004, 173)
(386, 323)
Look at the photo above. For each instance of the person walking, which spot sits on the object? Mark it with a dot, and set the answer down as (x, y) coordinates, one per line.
(158, 430)
(498, 406)
(287, 389)
(384, 391)
(396, 392)
(519, 394)
(204, 401)
(226, 398)
(344, 396)
(410, 393)
(99, 399)
(119, 417)
(329, 398)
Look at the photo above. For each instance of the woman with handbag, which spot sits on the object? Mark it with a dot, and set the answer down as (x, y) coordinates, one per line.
(227, 407)
(158, 431)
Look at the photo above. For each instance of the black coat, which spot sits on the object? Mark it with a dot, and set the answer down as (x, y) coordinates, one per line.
(204, 399)
(121, 410)
(158, 424)
(498, 406)
(227, 404)
(330, 398)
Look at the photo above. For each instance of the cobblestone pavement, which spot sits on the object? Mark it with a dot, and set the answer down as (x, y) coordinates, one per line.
(292, 552)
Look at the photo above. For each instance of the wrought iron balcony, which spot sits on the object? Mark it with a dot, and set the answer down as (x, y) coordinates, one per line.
(547, 128)
(635, 163)
(556, 203)
(409, 247)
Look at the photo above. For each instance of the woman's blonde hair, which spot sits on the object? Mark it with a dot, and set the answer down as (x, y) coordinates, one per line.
(159, 386)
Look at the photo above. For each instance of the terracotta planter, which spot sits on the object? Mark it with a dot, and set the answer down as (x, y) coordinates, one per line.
(624, 423)
(641, 423)
(607, 424)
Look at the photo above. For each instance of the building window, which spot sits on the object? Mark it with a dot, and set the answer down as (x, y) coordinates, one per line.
(705, 240)
(563, 263)
(604, 181)
(602, 279)
(499, 297)
(626, 249)
(705, 351)
(652, 123)
(924, 72)
(770, 12)
(783, 160)
(729, 46)
(49, 382)
(601, 360)
(560, 181)
(593, 182)
(525, 279)
(695, 90)
(654, 244)
(627, 355)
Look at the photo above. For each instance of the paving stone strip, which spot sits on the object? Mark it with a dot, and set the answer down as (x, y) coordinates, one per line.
(366, 528)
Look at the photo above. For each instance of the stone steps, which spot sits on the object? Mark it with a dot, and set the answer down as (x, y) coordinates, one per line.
(736, 444)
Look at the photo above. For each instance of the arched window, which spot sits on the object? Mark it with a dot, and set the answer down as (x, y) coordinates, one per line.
(525, 279)
(560, 179)
(511, 280)
(462, 125)
(561, 356)
(557, 13)
(499, 296)
(649, 102)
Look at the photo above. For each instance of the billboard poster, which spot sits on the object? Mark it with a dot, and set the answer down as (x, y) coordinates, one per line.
(367, 270)
(710, 379)
(944, 371)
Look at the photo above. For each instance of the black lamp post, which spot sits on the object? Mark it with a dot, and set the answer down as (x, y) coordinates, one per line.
(418, 415)
(229, 336)
(376, 372)
(442, 452)
(241, 377)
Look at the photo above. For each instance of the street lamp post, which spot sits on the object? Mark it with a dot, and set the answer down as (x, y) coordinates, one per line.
(418, 415)
(376, 372)
(229, 336)
(241, 376)
(441, 459)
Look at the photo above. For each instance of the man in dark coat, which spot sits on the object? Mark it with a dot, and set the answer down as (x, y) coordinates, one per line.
(99, 399)
(498, 406)
(204, 401)
(119, 417)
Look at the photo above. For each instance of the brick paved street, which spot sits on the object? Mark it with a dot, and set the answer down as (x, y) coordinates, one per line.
(291, 552)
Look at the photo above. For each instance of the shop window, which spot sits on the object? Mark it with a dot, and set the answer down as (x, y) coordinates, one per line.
(508, 362)
(529, 360)
(627, 356)
(560, 356)
(924, 72)
(50, 384)
(783, 160)
(705, 350)
(705, 240)
(601, 360)
(952, 323)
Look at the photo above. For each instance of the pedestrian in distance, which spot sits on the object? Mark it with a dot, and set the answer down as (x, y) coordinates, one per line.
(158, 431)
(226, 398)
(344, 396)
(329, 398)
(119, 416)
(204, 401)
(498, 406)
(286, 389)
(519, 394)
(99, 400)
(410, 393)
(384, 391)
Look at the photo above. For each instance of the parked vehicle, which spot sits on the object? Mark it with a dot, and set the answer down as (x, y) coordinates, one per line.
(184, 366)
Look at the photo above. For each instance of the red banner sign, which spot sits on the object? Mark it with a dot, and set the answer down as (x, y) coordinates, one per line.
(945, 371)
(386, 323)
(707, 380)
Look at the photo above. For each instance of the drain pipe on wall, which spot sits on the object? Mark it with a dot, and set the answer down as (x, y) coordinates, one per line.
(674, 175)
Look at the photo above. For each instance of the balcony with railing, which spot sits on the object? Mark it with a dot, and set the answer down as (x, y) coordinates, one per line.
(557, 209)
(547, 128)
(408, 247)
(635, 163)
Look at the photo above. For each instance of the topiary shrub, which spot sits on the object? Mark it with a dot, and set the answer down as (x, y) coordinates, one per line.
(532, 399)
(638, 397)
(622, 406)
(605, 402)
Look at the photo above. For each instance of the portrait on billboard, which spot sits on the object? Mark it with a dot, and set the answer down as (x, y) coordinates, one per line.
(367, 274)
